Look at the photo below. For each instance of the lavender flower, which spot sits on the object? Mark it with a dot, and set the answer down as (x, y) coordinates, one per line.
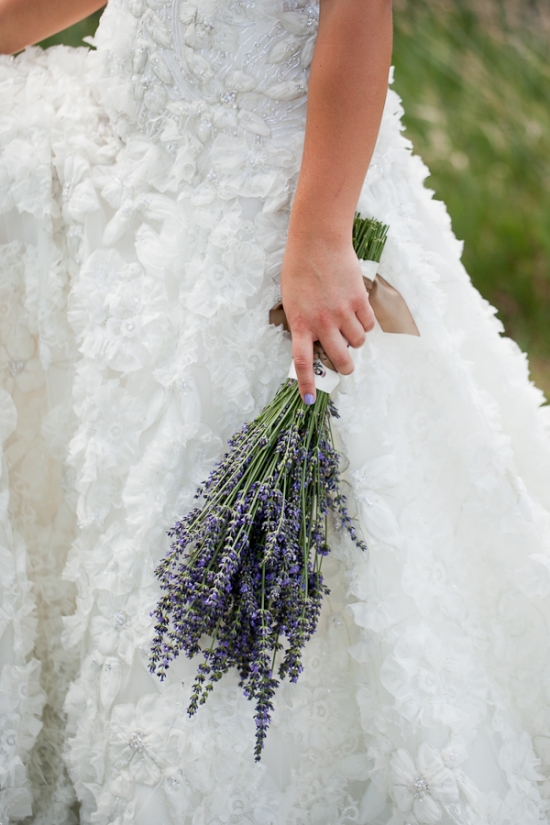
(244, 569)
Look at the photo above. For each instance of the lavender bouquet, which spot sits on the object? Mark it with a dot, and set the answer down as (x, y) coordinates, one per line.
(242, 582)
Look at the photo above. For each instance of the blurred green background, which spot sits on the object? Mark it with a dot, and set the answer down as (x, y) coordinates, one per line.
(474, 78)
(75, 35)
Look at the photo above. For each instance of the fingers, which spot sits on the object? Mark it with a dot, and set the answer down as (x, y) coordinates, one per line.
(335, 341)
(302, 351)
(353, 331)
(336, 347)
(365, 316)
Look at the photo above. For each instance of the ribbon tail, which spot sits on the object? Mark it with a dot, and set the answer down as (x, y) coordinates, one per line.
(389, 307)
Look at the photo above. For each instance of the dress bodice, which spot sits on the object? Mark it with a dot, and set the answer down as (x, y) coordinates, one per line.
(228, 66)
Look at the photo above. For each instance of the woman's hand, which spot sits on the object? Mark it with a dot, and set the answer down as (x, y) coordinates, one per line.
(325, 300)
(323, 292)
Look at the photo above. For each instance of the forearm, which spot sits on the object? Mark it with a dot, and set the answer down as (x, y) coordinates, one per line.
(347, 90)
(23, 22)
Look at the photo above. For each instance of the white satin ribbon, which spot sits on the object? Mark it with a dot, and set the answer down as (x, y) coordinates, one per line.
(369, 269)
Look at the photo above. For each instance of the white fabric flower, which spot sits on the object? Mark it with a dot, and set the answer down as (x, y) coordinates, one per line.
(20, 366)
(109, 435)
(8, 415)
(419, 786)
(137, 743)
(123, 623)
(435, 682)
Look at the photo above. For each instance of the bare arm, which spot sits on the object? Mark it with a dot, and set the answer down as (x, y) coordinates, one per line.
(23, 22)
(321, 282)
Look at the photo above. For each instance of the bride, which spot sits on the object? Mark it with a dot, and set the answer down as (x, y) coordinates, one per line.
(157, 195)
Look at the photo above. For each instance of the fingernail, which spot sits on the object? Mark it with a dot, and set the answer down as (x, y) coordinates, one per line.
(309, 399)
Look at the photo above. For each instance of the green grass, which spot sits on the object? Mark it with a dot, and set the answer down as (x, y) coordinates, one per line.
(475, 83)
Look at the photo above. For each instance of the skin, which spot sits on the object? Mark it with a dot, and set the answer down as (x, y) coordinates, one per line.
(23, 22)
(322, 287)
(321, 282)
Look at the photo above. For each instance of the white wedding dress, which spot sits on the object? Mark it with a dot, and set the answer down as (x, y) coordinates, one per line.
(144, 198)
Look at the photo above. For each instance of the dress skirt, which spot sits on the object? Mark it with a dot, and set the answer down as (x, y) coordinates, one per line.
(142, 228)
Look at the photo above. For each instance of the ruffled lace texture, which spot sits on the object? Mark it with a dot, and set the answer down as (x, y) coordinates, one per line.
(144, 231)
(43, 111)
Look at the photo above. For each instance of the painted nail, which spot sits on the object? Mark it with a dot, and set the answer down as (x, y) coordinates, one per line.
(309, 399)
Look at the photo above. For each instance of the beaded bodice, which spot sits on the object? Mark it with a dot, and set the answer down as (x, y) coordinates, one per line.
(227, 66)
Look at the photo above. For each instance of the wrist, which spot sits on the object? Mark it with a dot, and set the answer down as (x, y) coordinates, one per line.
(314, 227)
(324, 206)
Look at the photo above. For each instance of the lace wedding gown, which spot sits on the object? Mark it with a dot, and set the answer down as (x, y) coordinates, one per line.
(144, 196)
